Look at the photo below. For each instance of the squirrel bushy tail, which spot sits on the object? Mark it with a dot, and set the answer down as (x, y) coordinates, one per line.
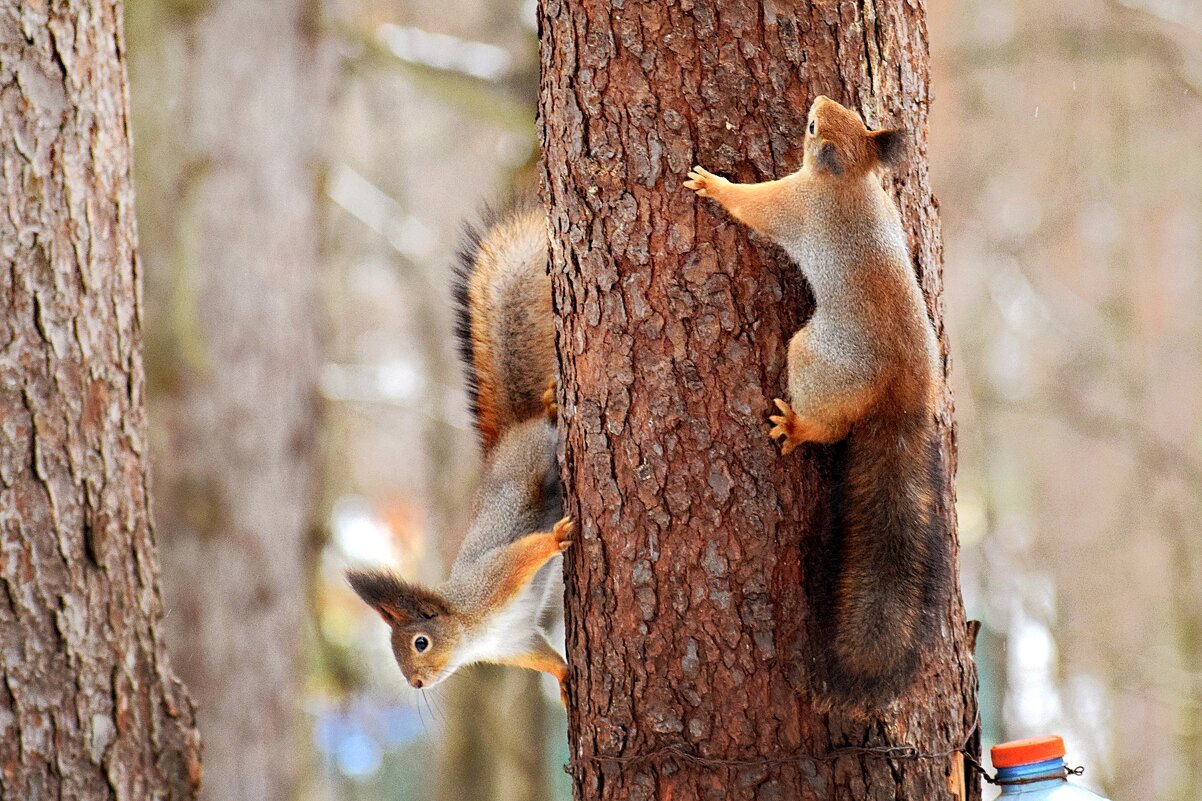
(505, 328)
(888, 510)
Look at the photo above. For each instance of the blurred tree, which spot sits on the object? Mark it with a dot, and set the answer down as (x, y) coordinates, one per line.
(230, 99)
(89, 706)
(496, 738)
(1075, 225)
(424, 145)
(688, 611)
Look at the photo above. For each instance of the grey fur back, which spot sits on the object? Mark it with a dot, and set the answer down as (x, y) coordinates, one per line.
(519, 492)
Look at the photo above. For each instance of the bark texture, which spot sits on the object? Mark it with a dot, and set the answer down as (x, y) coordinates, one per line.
(89, 707)
(691, 586)
(230, 152)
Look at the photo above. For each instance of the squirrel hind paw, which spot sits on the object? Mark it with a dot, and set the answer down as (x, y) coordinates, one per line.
(786, 426)
(562, 531)
(788, 444)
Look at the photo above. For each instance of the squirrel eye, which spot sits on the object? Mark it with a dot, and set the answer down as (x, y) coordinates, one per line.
(420, 643)
(813, 127)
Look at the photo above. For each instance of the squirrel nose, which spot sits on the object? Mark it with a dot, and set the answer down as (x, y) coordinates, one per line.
(417, 684)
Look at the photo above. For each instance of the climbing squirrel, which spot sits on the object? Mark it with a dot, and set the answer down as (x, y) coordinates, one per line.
(864, 371)
(502, 584)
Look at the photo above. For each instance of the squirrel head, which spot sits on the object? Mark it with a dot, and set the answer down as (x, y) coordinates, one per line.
(425, 627)
(838, 144)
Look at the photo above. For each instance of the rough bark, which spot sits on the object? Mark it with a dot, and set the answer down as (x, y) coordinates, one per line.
(691, 585)
(230, 152)
(89, 706)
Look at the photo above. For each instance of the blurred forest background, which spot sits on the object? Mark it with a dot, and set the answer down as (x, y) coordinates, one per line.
(303, 171)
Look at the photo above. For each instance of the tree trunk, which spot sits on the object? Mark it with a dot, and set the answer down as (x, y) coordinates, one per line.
(228, 144)
(89, 706)
(691, 586)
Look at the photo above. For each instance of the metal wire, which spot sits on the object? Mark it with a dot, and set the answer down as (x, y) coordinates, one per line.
(993, 779)
(899, 752)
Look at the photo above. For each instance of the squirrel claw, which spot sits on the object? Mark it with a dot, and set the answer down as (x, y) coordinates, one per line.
(786, 426)
(702, 181)
(563, 529)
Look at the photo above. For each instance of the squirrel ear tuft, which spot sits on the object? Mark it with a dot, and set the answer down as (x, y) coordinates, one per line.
(890, 146)
(828, 157)
(395, 599)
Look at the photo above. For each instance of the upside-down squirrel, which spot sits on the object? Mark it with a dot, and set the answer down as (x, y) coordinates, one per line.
(503, 582)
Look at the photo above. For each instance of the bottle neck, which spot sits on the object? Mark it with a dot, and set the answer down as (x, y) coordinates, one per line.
(1031, 776)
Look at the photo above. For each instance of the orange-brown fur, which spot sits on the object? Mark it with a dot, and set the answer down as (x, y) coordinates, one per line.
(545, 659)
(517, 562)
(863, 372)
(491, 607)
(550, 404)
(511, 327)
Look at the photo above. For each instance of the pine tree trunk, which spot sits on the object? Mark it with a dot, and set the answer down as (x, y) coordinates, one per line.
(691, 585)
(89, 706)
(230, 96)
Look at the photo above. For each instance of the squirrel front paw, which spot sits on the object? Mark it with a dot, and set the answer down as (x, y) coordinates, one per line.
(563, 529)
(788, 426)
(704, 182)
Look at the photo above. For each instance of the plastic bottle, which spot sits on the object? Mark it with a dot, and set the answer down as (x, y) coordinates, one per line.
(1033, 770)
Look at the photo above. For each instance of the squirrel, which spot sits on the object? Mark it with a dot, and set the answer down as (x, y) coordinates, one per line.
(501, 586)
(863, 371)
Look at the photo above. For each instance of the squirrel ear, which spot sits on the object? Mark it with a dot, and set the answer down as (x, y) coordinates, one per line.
(828, 157)
(397, 601)
(890, 145)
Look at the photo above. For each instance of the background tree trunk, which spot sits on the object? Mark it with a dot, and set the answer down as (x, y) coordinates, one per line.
(495, 741)
(230, 96)
(689, 622)
(89, 707)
